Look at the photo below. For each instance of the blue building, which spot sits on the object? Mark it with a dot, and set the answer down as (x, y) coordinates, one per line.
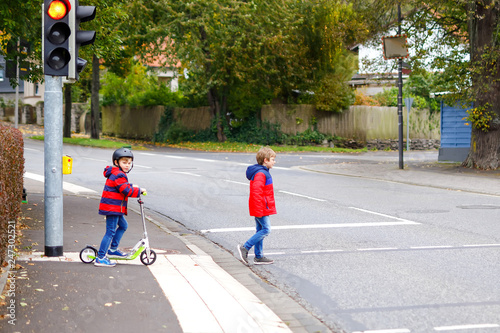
(455, 134)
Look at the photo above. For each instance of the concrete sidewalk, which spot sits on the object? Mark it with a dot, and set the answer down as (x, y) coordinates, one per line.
(185, 290)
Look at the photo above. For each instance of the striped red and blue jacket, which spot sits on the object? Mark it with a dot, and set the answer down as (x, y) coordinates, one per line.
(116, 192)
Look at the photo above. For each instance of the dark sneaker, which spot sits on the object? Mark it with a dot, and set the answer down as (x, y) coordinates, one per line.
(262, 261)
(104, 262)
(243, 253)
(117, 254)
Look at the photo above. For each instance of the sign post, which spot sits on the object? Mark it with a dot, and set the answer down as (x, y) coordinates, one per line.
(408, 103)
(395, 47)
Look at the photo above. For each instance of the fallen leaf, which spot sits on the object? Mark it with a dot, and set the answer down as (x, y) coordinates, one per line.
(65, 308)
(23, 304)
(39, 289)
(108, 304)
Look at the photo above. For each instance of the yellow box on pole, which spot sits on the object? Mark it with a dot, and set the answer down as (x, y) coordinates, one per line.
(67, 165)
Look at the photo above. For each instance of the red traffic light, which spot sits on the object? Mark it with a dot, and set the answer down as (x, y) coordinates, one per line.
(58, 9)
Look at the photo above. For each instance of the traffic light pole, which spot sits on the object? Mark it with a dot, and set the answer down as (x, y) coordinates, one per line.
(61, 38)
(53, 145)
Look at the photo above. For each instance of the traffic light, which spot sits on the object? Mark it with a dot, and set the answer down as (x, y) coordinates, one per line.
(56, 33)
(79, 37)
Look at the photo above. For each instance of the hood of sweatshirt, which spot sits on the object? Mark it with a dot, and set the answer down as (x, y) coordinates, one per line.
(253, 169)
(109, 170)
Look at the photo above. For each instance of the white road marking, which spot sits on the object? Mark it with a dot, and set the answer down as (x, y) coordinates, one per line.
(481, 245)
(214, 160)
(203, 160)
(378, 249)
(379, 214)
(95, 159)
(34, 176)
(187, 173)
(316, 226)
(301, 195)
(173, 156)
(76, 189)
(234, 182)
(320, 251)
(147, 154)
(465, 327)
(431, 247)
(142, 166)
(374, 249)
(397, 330)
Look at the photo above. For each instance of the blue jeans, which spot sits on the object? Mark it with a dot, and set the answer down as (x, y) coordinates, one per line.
(113, 233)
(263, 225)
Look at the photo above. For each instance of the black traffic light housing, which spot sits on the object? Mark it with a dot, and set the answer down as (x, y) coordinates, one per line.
(79, 37)
(56, 34)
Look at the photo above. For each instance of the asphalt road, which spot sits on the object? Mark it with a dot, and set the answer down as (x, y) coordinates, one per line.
(362, 254)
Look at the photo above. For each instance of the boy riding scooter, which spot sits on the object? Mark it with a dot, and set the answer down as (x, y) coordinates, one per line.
(113, 205)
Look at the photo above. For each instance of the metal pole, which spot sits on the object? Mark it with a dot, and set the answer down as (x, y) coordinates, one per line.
(407, 129)
(53, 167)
(16, 107)
(400, 98)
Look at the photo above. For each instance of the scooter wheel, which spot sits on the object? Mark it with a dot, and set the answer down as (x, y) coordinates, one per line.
(88, 254)
(144, 257)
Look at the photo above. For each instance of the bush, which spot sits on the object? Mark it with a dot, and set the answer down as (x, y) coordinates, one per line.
(388, 97)
(251, 131)
(362, 99)
(172, 132)
(137, 89)
(11, 181)
(306, 138)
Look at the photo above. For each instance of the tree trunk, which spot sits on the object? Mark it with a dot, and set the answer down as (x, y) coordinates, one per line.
(94, 100)
(67, 111)
(215, 109)
(213, 97)
(484, 151)
(485, 52)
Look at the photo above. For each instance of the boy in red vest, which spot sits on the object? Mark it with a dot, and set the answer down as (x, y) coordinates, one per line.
(113, 205)
(261, 204)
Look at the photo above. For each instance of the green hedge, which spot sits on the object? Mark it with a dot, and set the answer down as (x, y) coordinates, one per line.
(11, 181)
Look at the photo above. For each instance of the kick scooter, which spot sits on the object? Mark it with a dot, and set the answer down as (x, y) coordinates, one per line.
(147, 255)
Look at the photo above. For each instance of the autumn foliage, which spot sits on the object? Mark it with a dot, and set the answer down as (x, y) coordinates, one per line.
(11, 180)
